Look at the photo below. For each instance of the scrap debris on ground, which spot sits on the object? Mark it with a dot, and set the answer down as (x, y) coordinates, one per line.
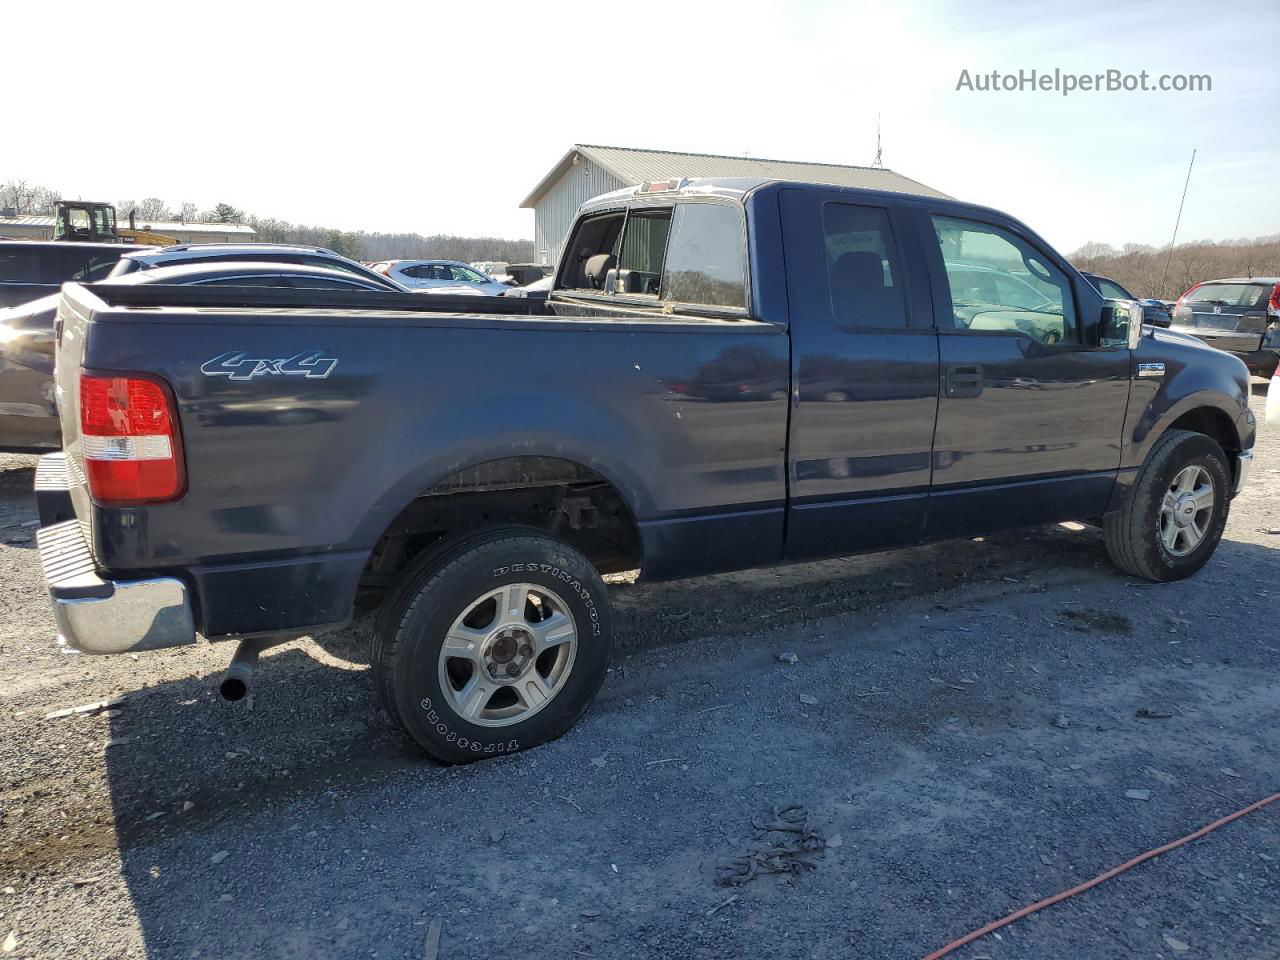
(785, 842)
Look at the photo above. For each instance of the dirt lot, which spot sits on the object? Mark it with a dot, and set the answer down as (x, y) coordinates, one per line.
(961, 728)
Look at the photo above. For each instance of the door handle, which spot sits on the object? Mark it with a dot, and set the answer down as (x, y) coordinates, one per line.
(964, 380)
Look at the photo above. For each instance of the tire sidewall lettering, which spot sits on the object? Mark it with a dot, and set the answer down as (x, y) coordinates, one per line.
(565, 576)
(427, 711)
(464, 743)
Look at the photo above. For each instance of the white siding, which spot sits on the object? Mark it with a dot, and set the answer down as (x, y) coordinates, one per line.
(553, 215)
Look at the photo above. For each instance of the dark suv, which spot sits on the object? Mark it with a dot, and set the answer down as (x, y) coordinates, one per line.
(1154, 312)
(1241, 316)
(30, 269)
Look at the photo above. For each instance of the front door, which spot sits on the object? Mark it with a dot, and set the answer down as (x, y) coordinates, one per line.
(864, 375)
(1031, 409)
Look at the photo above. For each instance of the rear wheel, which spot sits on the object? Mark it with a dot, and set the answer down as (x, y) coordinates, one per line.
(1173, 518)
(493, 645)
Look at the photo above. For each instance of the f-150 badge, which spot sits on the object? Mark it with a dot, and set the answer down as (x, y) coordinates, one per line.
(240, 366)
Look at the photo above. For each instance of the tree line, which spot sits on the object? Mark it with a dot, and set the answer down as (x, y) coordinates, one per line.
(30, 199)
(1165, 275)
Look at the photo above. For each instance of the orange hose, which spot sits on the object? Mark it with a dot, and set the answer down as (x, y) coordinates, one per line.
(1057, 897)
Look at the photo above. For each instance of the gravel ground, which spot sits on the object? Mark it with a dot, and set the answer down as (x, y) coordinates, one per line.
(961, 727)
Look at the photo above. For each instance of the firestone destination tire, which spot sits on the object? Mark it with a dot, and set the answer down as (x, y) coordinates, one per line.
(495, 644)
(1173, 518)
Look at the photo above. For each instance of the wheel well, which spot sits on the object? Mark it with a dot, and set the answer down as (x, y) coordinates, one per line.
(561, 497)
(1212, 423)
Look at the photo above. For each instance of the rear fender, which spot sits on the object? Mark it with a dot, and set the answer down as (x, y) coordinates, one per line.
(516, 426)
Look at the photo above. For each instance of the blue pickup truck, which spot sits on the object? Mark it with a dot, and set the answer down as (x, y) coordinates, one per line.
(727, 374)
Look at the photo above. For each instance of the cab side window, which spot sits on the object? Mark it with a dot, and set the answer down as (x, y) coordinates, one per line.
(863, 270)
(999, 283)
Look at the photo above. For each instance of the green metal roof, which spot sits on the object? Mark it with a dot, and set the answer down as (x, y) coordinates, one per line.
(638, 166)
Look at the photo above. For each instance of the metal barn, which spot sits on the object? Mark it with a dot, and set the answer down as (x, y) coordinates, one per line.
(587, 171)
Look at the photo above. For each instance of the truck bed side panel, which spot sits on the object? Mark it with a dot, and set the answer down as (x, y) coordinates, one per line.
(293, 477)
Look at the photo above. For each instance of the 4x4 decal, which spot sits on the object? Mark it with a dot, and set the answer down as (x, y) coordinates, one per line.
(240, 366)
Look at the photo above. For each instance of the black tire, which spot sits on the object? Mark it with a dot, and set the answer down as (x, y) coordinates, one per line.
(414, 620)
(1132, 533)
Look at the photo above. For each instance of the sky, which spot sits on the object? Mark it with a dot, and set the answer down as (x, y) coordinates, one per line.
(441, 117)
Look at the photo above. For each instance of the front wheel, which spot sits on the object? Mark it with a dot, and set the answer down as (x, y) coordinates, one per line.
(494, 645)
(1174, 515)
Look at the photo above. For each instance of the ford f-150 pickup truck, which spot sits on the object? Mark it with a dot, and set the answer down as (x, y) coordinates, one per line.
(728, 373)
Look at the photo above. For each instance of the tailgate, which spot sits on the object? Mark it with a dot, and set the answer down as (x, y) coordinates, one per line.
(1227, 315)
(70, 329)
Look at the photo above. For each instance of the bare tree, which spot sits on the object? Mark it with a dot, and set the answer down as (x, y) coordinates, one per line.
(19, 195)
(44, 201)
(1140, 268)
(153, 208)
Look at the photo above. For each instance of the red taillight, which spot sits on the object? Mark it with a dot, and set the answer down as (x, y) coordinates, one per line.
(129, 438)
(1190, 290)
(1274, 305)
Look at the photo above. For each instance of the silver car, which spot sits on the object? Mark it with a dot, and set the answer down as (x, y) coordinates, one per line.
(441, 274)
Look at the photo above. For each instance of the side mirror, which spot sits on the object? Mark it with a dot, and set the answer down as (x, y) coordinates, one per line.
(1120, 324)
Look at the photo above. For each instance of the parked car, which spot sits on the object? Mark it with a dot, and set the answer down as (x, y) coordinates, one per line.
(426, 274)
(1154, 312)
(496, 269)
(523, 274)
(537, 290)
(30, 269)
(472, 478)
(190, 253)
(28, 415)
(1241, 316)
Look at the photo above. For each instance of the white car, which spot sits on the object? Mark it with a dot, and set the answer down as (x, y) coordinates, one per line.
(433, 274)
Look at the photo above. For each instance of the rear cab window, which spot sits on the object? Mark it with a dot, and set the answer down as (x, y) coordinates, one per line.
(689, 256)
(707, 256)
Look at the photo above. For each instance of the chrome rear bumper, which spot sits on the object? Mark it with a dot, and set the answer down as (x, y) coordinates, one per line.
(109, 616)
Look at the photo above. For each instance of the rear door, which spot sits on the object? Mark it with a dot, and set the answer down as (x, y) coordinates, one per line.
(1031, 408)
(864, 375)
(1227, 314)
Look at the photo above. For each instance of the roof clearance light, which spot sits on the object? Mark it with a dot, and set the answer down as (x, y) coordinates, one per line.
(658, 186)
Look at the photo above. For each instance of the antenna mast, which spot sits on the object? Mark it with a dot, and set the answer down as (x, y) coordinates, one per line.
(1177, 222)
(878, 161)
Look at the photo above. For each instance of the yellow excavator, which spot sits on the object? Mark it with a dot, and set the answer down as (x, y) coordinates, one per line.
(88, 221)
